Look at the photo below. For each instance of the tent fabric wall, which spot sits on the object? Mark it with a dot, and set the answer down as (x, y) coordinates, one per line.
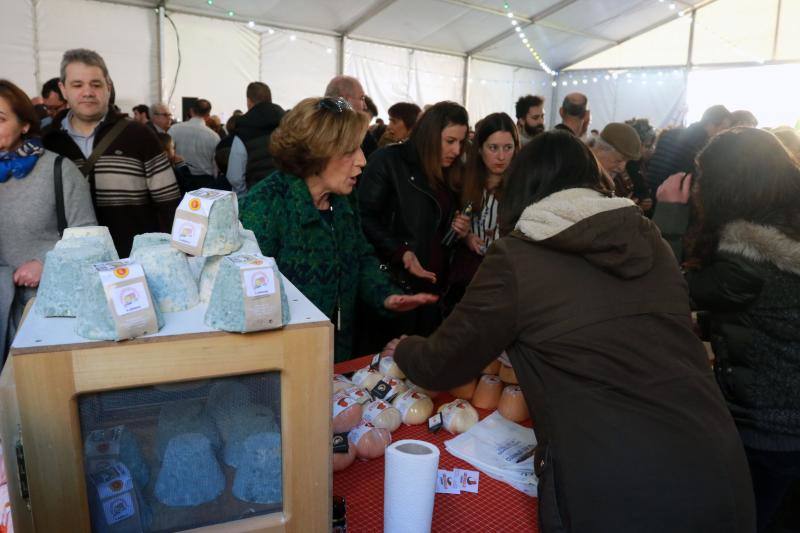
(218, 60)
(299, 68)
(735, 88)
(658, 95)
(17, 45)
(130, 55)
(494, 87)
(392, 74)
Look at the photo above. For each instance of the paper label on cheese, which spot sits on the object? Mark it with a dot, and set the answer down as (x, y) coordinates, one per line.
(190, 226)
(342, 402)
(340, 443)
(359, 431)
(103, 442)
(374, 409)
(404, 402)
(362, 374)
(119, 508)
(112, 481)
(262, 292)
(128, 298)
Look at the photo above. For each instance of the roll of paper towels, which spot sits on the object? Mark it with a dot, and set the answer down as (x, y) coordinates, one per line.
(408, 486)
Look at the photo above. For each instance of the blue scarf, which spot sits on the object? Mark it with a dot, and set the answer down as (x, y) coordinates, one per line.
(20, 162)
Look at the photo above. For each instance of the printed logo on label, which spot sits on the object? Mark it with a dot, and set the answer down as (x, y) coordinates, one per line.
(118, 509)
(121, 272)
(259, 282)
(129, 299)
(187, 232)
(195, 204)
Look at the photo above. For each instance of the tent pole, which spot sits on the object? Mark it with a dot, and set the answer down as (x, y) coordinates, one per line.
(37, 76)
(340, 56)
(465, 85)
(777, 30)
(690, 49)
(554, 101)
(161, 53)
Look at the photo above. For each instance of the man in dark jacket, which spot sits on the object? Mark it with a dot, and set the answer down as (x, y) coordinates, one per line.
(250, 161)
(677, 148)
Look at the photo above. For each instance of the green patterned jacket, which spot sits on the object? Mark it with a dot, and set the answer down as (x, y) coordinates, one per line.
(328, 265)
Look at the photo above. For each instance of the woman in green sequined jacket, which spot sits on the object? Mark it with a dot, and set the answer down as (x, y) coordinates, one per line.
(305, 217)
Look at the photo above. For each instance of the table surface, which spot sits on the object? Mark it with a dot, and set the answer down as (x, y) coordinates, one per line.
(39, 332)
(497, 507)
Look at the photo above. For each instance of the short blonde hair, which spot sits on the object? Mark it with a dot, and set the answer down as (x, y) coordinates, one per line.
(310, 135)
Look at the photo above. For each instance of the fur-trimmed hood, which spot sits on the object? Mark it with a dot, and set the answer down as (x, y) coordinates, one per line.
(762, 244)
(610, 233)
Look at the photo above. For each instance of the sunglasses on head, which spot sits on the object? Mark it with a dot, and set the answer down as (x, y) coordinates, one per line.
(337, 105)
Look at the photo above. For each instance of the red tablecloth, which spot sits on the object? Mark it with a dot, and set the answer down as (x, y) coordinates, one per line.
(496, 506)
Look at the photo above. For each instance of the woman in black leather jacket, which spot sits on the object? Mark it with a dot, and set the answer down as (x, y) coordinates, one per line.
(748, 252)
(408, 204)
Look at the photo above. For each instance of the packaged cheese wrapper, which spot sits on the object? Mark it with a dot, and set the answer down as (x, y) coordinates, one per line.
(389, 368)
(429, 393)
(512, 404)
(248, 295)
(344, 452)
(62, 277)
(458, 416)
(382, 415)
(370, 442)
(414, 406)
(347, 412)
(465, 391)
(367, 377)
(507, 375)
(487, 393)
(340, 383)
(168, 276)
(492, 368)
(116, 303)
(387, 389)
(207, 223)
(360, 395)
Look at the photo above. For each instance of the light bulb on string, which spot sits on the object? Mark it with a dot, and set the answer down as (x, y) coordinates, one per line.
(510, 15)
(251, 24)
(554, 84)
(514, 22)
(293, 37)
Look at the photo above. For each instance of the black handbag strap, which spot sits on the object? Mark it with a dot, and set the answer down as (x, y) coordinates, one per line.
(59, 188)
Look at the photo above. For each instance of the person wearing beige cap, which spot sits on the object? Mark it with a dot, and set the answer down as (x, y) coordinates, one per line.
(617, 144)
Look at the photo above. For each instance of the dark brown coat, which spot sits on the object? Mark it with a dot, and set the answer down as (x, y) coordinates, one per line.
(633, 432)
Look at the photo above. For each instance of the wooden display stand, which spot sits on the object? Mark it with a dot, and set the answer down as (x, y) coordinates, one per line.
(44, 376)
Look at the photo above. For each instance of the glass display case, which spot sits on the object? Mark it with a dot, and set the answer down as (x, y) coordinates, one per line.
(189, 429)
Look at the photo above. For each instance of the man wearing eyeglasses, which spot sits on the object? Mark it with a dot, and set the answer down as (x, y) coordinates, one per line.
(53, 100)
(160, 118)
(350, 89)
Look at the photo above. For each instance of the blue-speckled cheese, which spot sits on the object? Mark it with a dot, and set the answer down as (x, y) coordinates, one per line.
(226, 307)
(60, 287)
(168, 276)
(211, 265)
(99, 232)
(190, 474)
(144, 240)
(258, 476)
(94, 319)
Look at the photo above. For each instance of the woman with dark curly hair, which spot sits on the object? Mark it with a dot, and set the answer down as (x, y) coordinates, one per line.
(305, 217)
(746, 274)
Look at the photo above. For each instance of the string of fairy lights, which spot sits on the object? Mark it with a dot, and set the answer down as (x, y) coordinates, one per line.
(644, 75)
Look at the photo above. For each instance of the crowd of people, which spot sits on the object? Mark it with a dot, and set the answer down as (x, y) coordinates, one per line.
(579, 253)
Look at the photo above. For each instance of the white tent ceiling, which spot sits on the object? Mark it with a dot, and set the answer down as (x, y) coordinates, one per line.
(563, 31)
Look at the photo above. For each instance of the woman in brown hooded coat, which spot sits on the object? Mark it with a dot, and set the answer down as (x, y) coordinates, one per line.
(587, 300)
